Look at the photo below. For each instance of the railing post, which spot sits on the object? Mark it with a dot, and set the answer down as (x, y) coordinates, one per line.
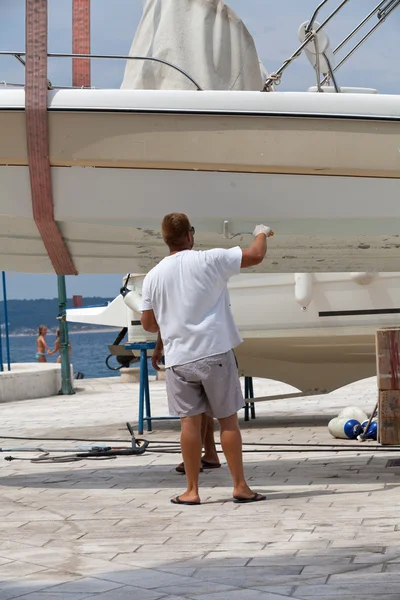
(66, 384)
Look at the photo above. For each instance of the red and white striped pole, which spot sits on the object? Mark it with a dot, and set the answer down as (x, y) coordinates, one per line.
(81, 42)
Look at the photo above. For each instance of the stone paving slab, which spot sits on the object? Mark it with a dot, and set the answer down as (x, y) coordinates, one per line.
(106, 529)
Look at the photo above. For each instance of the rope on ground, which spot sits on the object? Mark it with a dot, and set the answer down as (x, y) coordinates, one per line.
(160, 444)
(46, 458)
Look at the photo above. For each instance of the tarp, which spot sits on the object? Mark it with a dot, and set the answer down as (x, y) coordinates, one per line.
(205, 38)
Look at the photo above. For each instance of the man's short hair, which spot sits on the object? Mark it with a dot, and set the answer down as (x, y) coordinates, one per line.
(175, 228)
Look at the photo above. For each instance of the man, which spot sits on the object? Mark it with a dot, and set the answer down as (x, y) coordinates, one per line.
(185, 298)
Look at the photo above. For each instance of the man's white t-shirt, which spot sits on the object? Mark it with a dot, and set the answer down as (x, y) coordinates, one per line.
(189, 296)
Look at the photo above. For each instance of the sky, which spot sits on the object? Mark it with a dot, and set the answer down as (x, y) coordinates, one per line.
(274, 26)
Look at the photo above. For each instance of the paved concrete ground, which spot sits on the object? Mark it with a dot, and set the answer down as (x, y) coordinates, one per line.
(106, 530)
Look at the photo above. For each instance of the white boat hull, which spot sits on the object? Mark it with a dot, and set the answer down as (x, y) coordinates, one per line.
(322, 348)
(317, 350)
(322, 170)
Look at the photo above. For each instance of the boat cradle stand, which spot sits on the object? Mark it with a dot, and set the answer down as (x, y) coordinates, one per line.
(144, 388)
(249, 406)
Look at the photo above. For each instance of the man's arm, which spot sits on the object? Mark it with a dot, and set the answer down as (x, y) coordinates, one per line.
(148, 319)
(255, 254)
(149, 322)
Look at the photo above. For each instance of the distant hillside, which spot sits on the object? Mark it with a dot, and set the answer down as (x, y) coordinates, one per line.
(25, 316)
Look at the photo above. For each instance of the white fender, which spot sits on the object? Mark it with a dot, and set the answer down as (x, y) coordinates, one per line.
(336, 427)
(323, 48)
(343, 428)
(303, 289)
(133, 301)
(353, 412)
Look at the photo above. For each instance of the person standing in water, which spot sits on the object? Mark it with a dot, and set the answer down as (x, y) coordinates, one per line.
(41, 344)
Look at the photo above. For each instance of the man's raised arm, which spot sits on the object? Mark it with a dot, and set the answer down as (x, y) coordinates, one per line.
(255, 253)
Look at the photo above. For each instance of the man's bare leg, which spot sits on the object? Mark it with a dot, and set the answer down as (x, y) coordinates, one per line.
(191, 445)
(207, 436)
(207, 433)
(231, 442)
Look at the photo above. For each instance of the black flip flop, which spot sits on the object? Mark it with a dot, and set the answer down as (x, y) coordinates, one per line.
(255, 498)
(177, 500)
(181, 468)
(210, 465)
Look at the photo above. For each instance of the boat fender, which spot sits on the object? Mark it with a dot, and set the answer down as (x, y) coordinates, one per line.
(132, 299)
(344, 428)
(372, 433)
(317, 52)
(354, 412)
(303, 289)
(347, 425)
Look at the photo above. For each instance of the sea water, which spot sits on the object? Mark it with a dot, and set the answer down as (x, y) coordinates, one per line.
(89, 352)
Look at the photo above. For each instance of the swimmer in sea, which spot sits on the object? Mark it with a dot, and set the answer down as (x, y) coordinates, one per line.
(41, 344)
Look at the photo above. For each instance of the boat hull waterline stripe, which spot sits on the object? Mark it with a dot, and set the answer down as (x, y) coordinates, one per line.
(356, 313)
(210, 113)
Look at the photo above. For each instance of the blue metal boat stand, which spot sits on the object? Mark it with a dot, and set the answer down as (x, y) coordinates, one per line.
(144, 388)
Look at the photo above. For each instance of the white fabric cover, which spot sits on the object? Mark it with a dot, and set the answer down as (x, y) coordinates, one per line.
(205, 38)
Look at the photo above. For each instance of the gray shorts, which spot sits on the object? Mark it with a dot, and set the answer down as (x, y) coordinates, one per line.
(210, 385)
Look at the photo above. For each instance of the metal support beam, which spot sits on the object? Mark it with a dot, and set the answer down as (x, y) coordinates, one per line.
(66, 384)
(5, 312)
(80, 78)
(81, 42)
(1, 352)
(36, 87)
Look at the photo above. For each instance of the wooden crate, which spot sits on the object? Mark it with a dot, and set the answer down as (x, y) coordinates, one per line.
(389, 418)
(388, 359)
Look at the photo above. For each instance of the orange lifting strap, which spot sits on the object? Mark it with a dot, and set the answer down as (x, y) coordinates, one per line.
(81, 42)
(37, 128)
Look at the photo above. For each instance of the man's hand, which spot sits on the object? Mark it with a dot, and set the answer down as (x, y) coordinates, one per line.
(255, 254)
(158, 353)
(156, 358)
(267, 231)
